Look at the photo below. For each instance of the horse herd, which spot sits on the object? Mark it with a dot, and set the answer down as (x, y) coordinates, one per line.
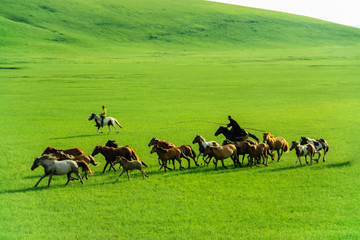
(64, 162)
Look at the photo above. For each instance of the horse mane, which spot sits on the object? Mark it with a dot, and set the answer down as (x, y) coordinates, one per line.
(202, 138)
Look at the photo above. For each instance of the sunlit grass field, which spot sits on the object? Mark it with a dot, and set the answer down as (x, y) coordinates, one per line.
(169, 95)
(300, 80)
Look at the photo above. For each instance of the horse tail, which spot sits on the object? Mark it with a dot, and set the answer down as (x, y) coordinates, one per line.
(286, 146)
(117, 123)
(92, 161)
(144, 164)
(133, 155)
(192, 152)
(254, 137)
(85, 166)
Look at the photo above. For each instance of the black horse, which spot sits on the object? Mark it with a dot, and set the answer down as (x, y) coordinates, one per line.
(112, 143)
(231, 136)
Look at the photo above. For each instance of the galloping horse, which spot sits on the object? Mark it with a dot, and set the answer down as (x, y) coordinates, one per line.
(303, 150)
(54, 167)
(318, 144)
(203, 145)
(229, 135)
(111, 153)
(276, 143)
(223, 152)
(110, 121)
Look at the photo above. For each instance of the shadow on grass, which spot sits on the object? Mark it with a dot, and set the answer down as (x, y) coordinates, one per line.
(319, 165)
(76, 136)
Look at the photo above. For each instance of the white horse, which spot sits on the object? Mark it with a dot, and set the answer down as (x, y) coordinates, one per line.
(318, 144)
(303, 150)
(110, 121)
(54, 167)
(203, 146)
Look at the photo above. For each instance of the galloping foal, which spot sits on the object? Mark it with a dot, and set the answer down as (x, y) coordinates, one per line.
(303, 150)
(130, 165)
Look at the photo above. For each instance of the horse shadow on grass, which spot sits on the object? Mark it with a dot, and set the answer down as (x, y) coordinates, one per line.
(74, 136)
(318, 167)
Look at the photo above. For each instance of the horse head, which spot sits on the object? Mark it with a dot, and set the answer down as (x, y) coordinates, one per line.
(196, 139)
(304, 140)
(36, 163)
(96, 150)
(294, 144)
(92, 116)
(153, 141)
(266, 135)
(221, 130)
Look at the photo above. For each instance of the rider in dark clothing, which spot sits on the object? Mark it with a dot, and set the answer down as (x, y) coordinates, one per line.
(236, 129)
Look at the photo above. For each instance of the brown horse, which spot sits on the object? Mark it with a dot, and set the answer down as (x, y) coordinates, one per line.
(160, 143)
(166, 154)
(111, 153)
(242, 147)
(258, 151)
(72, 151)
(278, 144)
(223, 152)
(130, 165)
(189, 152)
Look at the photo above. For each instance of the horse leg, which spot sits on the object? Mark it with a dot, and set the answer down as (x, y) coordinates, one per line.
(78, 174)
(109, 128)
(143, 173)
(68, 178)
(42, 177)
(297, 161)
(112, 165)
(215, 162)
(319, 156)
(179, 160)
(120, 175)
(222, 162)
(278, 152)
(306, 160)
(105, 166)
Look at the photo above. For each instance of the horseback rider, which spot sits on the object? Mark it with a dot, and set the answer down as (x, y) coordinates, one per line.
(236, 130)
(103, 115)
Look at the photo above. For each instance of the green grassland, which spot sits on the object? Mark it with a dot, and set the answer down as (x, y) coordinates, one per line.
(163, 69)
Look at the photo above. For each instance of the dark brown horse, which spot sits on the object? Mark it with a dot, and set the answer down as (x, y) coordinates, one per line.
(111, 153)
(229, 135)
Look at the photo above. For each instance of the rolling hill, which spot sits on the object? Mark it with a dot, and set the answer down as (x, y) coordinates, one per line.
(56, 26)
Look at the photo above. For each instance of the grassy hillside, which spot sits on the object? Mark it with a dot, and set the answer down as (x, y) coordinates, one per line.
(168, 69)
(33, 26)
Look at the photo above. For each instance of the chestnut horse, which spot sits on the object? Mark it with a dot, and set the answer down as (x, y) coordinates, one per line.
(111, 153)
(130, 165)
(278, 144)
(71, 151)
(223, 152)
